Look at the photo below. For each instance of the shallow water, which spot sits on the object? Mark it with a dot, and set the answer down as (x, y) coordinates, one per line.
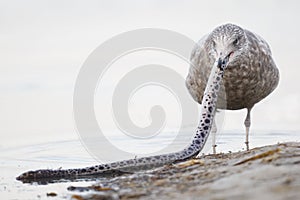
(71, 153)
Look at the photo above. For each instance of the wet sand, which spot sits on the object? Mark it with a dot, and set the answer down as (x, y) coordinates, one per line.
(268, 172)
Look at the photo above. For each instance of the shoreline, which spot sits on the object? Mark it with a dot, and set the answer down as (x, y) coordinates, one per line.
(268, 172)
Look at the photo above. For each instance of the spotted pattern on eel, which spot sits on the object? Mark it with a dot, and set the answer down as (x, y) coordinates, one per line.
(208, 107)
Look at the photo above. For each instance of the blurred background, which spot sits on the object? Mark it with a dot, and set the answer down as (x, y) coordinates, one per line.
(44, 43)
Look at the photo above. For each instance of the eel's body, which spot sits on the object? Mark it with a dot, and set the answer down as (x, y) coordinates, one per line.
(208, 107)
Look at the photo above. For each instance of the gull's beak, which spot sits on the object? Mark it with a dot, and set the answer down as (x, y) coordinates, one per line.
(223, 62)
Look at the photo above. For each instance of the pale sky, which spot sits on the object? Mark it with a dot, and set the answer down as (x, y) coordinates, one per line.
(44, 43)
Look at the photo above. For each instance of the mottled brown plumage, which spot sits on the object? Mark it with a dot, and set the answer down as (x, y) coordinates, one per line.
(251, 74)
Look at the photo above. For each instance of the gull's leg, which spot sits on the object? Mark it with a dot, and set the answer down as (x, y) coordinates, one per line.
(213, 134)
(247, 125)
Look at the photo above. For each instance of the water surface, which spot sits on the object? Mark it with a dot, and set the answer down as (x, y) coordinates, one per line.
(71, 153)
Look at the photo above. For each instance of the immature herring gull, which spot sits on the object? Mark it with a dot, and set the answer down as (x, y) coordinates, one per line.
(251, 74)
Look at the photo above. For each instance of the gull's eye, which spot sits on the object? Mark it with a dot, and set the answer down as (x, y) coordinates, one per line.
(213, 44)
(236, 42)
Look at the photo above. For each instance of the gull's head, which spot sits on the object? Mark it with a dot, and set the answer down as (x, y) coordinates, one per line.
(227, 42)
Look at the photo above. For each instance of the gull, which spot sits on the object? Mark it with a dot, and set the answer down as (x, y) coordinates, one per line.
(251, 74)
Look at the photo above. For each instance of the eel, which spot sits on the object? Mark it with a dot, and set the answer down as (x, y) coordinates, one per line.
(208, 108)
